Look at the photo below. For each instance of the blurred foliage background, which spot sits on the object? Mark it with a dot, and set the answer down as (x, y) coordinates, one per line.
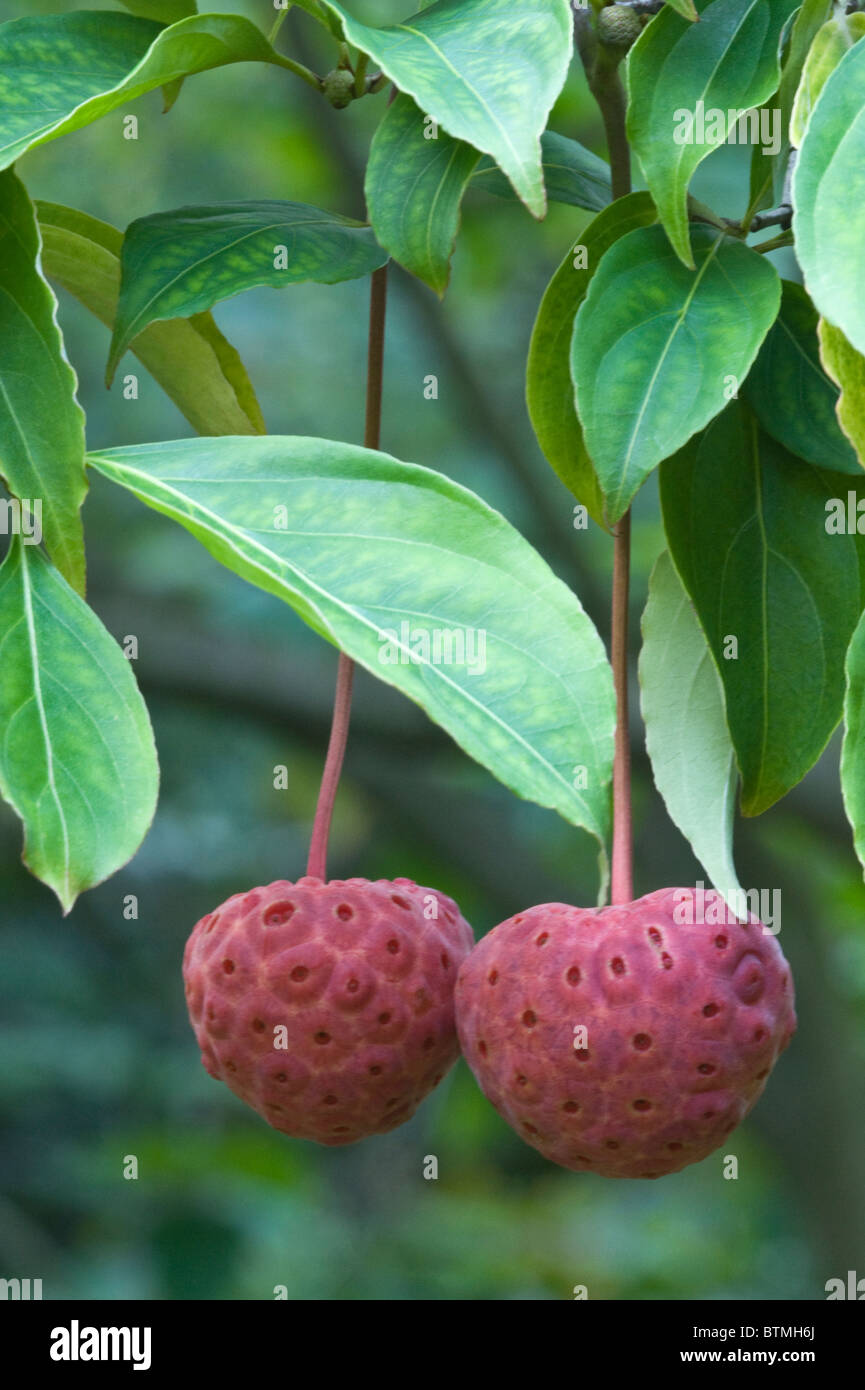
(99, 1061)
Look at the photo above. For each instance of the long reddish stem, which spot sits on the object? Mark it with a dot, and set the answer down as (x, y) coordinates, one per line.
(622, 877)
(316, 866)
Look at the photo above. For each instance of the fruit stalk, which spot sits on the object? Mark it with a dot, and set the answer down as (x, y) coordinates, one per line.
(317, 861)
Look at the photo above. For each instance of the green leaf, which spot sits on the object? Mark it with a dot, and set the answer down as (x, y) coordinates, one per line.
(853, 747)
(414, 187)
(77, 760)
(729, 61)
(549, 389)
(808, 21)
(163, 11)
(830, 45)
(360, 544)
(572, 174)
(790, 393)
(828, 194)
(747, 525)
(61, 72)
(687, 739)
(190, 359)
(181, 262)
(41, 423)
(846, 366)
(657, 348)
(487, 70)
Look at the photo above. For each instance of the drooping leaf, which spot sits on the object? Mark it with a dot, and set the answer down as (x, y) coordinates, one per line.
(181, 262)
(853, 747)
(549, 388)
(728, 61)
(790, 393)
(77, 760)
(163, 11)
(830, 44)
(846, 366)
(41, 423)
(61, 72)
(687, 739)
(487, 70)
(415, 180)
(190, 359)
(828, 194)
(777, 594)
(657, 348)
(572, 174)
(385, 559)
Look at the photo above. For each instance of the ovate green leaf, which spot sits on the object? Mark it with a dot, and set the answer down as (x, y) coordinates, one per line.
(777, 594)
(179, 263)
(830, 45)
(687, 739)
(658, 349)
(416, 579)
(415, 180)
(853, 747)
(41, 422)
(549, 388)
(77, 760)
(487, 70)
(681, 74)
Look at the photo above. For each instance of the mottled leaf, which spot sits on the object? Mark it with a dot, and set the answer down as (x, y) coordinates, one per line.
(415, 180)
(378, 557)
(192, 361)
(179, 263)
(853, 747)
(658, 348)
(61, 72)
(77, 760)
(487, 70)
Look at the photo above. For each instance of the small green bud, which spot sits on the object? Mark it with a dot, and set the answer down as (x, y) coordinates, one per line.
(618, 27)
(338, 87)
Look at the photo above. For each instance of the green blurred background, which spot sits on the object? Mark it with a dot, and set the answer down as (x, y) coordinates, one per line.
(98, 1059)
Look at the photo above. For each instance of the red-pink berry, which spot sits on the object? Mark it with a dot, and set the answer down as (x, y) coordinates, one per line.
(683, 1026)
(328, 1007)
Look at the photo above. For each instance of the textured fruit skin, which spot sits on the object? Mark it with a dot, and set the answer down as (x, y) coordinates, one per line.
(363, 983)
(338, 87)
(661, 1002)
(619, 27)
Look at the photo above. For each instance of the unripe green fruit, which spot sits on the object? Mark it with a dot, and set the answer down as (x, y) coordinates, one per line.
(339, 88)
(618, 27)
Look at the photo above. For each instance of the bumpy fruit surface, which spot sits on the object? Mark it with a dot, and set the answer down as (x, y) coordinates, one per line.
(338, 87)
(683, 1025)
(619, 27)
(328, 1007)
